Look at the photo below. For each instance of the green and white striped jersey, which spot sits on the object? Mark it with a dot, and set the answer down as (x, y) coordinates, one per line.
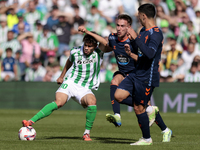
(85, 69)
(50, 41)
(14, 44)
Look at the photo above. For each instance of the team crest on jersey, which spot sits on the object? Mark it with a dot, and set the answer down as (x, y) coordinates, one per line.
(140, 53)
(122, 60)
(93, 55)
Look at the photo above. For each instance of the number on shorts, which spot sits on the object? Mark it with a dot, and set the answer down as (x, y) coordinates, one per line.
(64, 86)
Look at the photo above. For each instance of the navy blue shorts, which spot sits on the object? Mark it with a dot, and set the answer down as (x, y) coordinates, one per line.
(140, 92)
(119, 72)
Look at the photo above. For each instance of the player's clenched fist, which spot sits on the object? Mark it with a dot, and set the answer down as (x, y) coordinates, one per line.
(131, 33)
(82, 29)
(127, 49)
(59, 80)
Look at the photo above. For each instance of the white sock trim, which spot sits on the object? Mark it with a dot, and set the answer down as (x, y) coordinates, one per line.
(166, 130)
(86, 131)
(118, 115)
(149, 109)
(148, 140)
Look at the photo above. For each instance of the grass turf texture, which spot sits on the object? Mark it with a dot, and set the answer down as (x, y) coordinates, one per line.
(64, 130)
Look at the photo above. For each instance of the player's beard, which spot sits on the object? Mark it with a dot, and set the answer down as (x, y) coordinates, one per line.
(86, 52)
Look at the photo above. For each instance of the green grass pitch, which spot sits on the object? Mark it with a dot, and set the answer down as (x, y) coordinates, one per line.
(63, 130)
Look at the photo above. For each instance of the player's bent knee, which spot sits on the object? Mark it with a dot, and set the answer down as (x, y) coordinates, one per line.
(136, 109)
(61, 99)
(88, 99)
(60, 102)
(118, 97)
(114, 82)
(139, 109)
(91, 101)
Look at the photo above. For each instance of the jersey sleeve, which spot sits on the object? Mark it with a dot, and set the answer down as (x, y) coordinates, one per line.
(154, 42)
(135, 47)
(99, 52)
(110, 37)
(72, 55)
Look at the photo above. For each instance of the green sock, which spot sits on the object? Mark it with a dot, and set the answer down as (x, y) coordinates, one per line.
(45, 111)
(90, 116)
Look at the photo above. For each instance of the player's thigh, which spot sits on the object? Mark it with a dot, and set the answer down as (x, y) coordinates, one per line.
(124, 89)
(83, 95)
(61, 99)
(117, 79)
(142, 93)
(120, 95)
(64, 93)
(88, 99)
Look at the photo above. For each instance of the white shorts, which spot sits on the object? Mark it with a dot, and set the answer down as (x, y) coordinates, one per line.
(73, 90)
(10, 73)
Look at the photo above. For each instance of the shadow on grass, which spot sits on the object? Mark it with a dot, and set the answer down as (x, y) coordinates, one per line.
(114, 140)
(63, 137)
(100, 139)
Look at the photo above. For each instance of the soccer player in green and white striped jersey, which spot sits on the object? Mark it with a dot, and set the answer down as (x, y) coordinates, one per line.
(85, 62)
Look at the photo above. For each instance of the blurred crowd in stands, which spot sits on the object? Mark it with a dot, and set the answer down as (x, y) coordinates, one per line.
(36, 36)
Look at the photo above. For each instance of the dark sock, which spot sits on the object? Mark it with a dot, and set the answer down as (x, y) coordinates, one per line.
(115, 104)
(143, 121)
(128, 101)
(159, 121)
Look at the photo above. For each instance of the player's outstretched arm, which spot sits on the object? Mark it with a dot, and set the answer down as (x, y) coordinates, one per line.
(65, 69)
(128, 51)
(103, 43)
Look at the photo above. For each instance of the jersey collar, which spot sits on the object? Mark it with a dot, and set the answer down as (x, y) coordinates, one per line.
(150, 28)
(123, 39)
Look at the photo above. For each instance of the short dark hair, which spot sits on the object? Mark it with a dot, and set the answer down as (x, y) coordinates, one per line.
(194, 64)
(54, 7)
(8, 49)
(90, 39)
(148, 9)
(75, 6)
(125, 17)
(10, 31)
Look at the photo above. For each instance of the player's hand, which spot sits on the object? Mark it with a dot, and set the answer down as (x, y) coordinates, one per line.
(131, 33)
(82, 29)
(59, 80)
(127, 49)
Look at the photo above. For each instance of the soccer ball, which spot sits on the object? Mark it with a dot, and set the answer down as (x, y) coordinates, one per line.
(27, 133)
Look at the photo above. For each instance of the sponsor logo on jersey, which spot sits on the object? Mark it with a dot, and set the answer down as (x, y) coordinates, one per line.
(122, 60)
(87, 61)
(140, 53)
